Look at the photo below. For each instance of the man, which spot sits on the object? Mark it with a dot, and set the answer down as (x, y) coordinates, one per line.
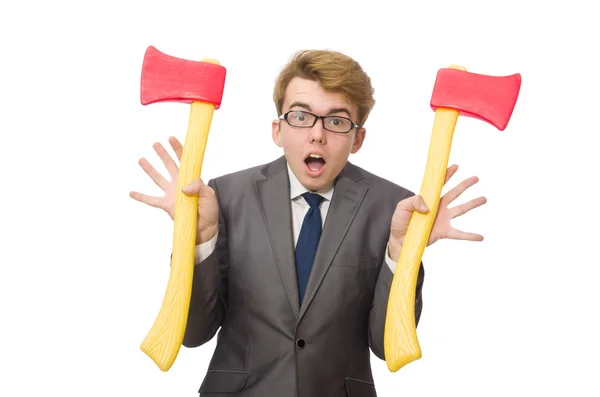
(295, 258)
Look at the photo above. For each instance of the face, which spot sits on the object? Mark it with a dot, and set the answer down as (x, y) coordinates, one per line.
(304, 146)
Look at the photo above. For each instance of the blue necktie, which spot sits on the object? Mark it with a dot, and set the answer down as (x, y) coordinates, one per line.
(308, 241)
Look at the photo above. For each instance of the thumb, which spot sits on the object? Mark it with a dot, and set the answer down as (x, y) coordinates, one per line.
(413, 203)
(194, 187)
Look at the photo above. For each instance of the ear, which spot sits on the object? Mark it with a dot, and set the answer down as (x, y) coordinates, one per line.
(276, 132)
(359, 138)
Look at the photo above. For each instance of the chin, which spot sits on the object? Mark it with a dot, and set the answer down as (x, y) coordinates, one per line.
(315, 183)
(312, 185)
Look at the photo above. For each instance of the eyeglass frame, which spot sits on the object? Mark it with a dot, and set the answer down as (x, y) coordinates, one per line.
(284, 117)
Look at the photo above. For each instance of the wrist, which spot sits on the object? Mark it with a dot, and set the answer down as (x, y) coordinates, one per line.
(394, 248)
(206, 234)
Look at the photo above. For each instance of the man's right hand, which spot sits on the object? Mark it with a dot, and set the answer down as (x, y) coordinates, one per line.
(208, 209)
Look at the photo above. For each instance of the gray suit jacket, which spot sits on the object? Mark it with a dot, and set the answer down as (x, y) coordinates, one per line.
(268, 343)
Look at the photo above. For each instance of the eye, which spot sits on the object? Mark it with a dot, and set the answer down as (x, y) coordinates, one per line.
(299, 116)
(337, 122)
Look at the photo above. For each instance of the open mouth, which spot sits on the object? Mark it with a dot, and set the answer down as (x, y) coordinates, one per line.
(315, 164)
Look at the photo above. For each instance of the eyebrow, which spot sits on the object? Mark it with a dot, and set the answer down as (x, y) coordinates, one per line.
(331, 111)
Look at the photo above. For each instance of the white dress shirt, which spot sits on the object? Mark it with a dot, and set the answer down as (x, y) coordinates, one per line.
(299, 208)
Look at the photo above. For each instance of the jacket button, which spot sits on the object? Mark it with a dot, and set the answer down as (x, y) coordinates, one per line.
(301, 343)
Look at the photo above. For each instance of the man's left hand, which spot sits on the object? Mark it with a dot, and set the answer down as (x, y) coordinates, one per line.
(441, 227)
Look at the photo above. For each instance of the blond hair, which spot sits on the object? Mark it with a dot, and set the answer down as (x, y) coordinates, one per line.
(335, 72)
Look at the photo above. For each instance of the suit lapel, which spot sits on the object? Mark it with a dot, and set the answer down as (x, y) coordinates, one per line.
(344, 205)
(274, 198)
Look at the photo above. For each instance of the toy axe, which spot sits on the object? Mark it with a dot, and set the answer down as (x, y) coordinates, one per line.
(456, 92)
(201, 84)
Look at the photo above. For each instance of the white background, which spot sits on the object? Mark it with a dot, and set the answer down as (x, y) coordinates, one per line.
(84, 267)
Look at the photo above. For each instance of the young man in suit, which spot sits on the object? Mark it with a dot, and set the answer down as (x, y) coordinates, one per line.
(295, 258)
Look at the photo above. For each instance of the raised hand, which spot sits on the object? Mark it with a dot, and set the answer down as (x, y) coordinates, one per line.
(442, 227)
(208, 213)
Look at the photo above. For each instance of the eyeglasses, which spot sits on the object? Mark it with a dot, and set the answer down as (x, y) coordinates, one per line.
(302, 119)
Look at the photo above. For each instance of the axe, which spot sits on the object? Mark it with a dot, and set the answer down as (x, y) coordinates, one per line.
(200, 84)
(456, 92)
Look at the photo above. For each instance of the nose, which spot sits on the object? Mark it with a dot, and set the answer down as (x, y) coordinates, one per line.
(318, 133)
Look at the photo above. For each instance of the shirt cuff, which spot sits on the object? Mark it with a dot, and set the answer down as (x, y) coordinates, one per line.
(391, 264)
(203, 251)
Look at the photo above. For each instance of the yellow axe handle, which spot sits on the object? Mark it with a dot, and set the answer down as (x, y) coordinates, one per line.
(164, 340)
(401, 345)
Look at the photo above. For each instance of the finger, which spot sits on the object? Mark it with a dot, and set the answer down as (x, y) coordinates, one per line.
(460, 235)
(152, 201)
(152, 173)
(195, 187)
(177, 147)
(166, 159)
(413, 203)
(459, 189)
(450, 172)
(466, 207)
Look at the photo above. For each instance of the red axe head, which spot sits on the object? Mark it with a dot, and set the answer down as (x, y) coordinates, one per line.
(166, 78)
(487, 98)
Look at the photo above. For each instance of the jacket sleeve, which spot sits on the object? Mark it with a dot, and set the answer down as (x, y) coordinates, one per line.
(208, 302)
(379, 308)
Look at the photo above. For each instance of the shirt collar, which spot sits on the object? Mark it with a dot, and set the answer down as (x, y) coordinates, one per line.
(297, 189)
